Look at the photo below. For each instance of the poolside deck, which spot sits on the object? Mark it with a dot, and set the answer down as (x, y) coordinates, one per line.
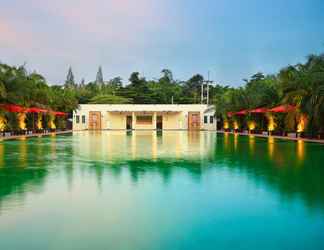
(276, 137)
(15, 137)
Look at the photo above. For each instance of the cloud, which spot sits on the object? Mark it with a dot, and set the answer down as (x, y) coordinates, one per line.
(52, 35)
(111, 22)
(10, 37)
(122, 36)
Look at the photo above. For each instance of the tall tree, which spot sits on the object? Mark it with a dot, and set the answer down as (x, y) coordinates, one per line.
(303, 85)
(167, 76)
(116, 82)
(99, 77)
(135, 78)
(69, 82)
(192, 89)
(82, 83)
(138, 89)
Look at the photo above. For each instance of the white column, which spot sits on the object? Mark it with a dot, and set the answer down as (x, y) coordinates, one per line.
(133, 120)
(154, 120)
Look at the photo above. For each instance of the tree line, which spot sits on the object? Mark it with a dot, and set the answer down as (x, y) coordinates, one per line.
(301, 85)
(138, 89)
(19, 87)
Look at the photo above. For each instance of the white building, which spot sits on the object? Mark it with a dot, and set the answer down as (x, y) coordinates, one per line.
(144, 117)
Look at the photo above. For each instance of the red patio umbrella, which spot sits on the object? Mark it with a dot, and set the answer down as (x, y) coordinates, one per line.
(242, 112)
(58, 113)
(259, 110)
(283, 109)
(12, 108)
(36, 110)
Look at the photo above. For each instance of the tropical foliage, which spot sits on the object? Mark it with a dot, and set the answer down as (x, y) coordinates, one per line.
(301, 85)
(17, 86)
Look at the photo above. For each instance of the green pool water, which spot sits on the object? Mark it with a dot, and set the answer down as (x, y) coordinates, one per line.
(155, 191)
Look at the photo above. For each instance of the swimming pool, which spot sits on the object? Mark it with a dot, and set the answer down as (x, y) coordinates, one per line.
(161, 190)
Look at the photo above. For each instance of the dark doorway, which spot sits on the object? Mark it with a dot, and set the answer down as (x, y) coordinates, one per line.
(129, 122)
(159, 122)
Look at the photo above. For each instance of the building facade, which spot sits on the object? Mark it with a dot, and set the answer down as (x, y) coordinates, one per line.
(144, 117)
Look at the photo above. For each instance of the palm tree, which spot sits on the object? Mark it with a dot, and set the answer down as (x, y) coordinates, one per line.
(303, 85)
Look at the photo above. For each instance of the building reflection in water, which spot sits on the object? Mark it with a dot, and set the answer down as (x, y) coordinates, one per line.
(118, 145)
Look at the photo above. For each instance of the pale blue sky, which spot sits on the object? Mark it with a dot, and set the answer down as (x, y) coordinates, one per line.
(233, 39)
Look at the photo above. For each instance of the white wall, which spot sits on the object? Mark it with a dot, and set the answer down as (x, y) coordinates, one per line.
(208, 125)
(113, 116)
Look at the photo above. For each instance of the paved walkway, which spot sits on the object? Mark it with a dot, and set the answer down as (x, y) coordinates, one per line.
(219, 131)
(14, 137)
(277, 137)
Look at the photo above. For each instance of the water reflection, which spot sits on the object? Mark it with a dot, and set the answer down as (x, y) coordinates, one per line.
(271, 146)
(1, 155)
(278, 171)
(235, 141)
(252, 144)
(113, 146)
(22, 156)
(300, 145)
(26, 165)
